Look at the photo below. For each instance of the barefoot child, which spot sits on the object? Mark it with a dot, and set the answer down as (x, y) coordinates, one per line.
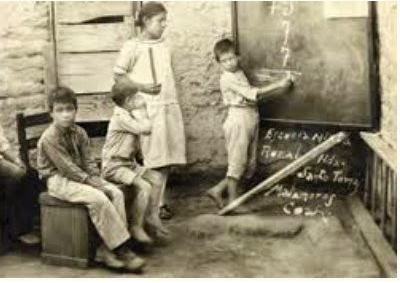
(146, 62)
(241, 124)
(128, 121)
(64, 161)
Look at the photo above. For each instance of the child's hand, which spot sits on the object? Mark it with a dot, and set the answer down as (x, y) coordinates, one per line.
(150, 88)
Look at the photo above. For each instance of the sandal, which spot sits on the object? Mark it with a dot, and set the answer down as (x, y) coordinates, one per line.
(164, 212)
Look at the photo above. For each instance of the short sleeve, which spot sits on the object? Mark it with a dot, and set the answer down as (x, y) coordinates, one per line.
(240, 87)
(126, 58)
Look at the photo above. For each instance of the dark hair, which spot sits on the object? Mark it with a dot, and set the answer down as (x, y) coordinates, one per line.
(61, 94)
(121, 90)
(149, 9)
(223, 46)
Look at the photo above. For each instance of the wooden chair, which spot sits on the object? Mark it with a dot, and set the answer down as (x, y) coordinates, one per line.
(68, 236)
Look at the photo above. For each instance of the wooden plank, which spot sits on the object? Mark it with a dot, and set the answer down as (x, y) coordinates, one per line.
(86, 63)
(374, 183)
(83, 84)
(394, 211)
(286, 171)
(73, 12)
(94, 108)
(389, 194)
(93, 37)
(386, 152)
(374, 237)
(87, 72)
(367, 184)
(378, 189)
(383, 194)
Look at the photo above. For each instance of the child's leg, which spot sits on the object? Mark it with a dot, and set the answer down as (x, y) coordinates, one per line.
(139, 208)
(117, 199)
(109, 221)
(216, 192)
(105, 217)
(153, 220)
(232, 189)
(164, 212)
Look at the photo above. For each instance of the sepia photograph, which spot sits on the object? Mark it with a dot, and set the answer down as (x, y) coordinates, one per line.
(198, 139)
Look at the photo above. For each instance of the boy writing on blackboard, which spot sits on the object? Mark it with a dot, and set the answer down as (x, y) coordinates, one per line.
(241, 124)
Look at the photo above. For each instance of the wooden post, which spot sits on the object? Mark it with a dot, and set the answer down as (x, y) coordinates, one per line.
(394, 210)
(367, 184)
(374, 184)
(286, 171)
(384, 199)
(50, 54)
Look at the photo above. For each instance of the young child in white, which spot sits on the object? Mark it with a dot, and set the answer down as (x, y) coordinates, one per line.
(241, 124)
(119, 165)
(146, 62)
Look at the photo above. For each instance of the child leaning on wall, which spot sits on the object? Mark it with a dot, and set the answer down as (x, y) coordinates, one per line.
(146, 62)
(241, 124)
(119, 165)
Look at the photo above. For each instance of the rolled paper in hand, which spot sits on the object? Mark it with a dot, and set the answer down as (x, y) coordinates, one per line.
(153, 70)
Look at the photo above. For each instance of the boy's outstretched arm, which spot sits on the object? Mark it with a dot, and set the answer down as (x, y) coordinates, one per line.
(275, 88)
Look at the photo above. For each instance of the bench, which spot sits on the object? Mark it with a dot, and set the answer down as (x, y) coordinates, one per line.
(68, 236)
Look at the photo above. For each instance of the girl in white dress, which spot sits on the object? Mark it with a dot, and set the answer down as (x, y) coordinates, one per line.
(145, 62)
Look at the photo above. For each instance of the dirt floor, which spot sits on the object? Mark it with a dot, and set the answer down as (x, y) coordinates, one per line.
(265, 243)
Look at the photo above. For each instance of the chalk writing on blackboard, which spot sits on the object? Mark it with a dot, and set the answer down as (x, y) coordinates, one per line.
(305, 203)
(285, 7)
(274, 134)
(337, 170)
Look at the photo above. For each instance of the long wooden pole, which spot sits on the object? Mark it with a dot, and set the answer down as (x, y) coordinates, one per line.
(286, 171)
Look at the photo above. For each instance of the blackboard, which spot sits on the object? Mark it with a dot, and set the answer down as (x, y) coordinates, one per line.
(331, 57)
(340, 170)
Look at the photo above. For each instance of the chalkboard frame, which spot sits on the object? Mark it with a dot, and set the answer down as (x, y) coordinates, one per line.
(374, 96)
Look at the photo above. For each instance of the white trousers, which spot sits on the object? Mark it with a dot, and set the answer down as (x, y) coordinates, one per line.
(108, 216)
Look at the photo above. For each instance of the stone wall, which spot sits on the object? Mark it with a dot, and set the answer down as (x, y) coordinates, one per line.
(193, 28)
(387, 15)
(23, 35)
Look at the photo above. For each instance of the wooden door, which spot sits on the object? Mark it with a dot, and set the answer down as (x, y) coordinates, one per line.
(87, 37)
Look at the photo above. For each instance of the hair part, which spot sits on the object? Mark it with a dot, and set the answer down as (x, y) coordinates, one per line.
(121, 91)
(62, 94)
(149, 10)
(223, 46)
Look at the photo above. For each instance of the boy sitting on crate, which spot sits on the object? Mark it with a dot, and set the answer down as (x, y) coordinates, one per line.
(65, 162)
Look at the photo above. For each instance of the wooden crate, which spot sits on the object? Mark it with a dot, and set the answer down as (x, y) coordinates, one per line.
(68, 236)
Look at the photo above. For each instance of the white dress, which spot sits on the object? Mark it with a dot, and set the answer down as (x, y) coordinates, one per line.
(166, 144)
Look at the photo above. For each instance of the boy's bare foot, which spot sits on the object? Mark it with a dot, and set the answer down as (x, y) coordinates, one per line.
(140, 235)
(215, 197)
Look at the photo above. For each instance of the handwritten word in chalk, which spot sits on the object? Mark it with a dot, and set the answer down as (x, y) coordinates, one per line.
(318, 175)
(305, 203)
(273, 134)
(269, 152)
(286, 8)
